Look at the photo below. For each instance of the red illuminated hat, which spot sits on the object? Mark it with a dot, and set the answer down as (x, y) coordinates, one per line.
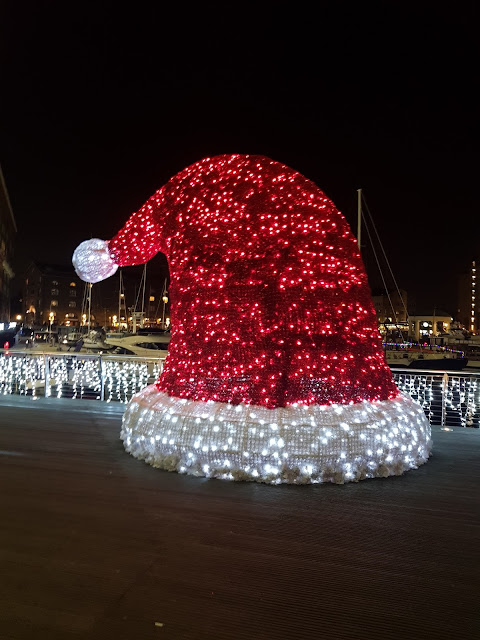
(272, 324)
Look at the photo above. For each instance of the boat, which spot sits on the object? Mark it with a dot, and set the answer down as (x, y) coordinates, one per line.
(89, 341)
(413, 356)
(71, 338)
(142, 343)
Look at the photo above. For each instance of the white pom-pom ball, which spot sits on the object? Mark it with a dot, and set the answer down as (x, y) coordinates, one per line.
(92, 261)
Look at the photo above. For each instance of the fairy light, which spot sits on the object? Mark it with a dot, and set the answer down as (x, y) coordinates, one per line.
(420, 388)
(58, 370)
(26, 375)
(460, 400)
(407, 346)
(21, 374)
(272, 307)
(218, 440)
(70, 376)
(122, 379)
(271, 314)
(471, 404)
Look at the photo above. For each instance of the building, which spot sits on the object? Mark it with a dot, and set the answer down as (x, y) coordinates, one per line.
(394, 319)
(391, 307)
(468, 308)
(55, 294)
(52, 294)
(392, 316)
(430, 324)
(8, 230)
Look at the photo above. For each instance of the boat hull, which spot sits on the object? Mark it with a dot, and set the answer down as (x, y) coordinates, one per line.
(437, 364)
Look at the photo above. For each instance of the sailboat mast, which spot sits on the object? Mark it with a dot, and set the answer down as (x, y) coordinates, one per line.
(164, 298)
(359, 219)
(121, 299)
(143, 294)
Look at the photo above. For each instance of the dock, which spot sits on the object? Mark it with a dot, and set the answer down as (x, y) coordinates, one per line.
(97, 545)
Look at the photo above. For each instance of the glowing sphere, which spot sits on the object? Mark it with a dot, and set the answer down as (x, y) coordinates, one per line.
(92, 261)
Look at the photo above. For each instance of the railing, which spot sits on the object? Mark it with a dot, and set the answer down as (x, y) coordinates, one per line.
(449, 399)
(83, 376)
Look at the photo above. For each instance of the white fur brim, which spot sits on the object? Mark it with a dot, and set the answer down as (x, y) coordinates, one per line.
(297, 444)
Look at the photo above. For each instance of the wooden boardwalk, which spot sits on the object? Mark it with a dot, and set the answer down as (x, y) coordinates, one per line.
(95, 544)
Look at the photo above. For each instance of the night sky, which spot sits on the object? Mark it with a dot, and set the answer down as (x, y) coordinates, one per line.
(101, 106)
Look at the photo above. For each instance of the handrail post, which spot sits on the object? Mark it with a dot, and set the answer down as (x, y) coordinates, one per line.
(102, 381)
(46, 393)
(444, 394)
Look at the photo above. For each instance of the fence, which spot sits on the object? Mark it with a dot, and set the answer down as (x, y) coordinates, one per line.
(83, 376)
(449, 399)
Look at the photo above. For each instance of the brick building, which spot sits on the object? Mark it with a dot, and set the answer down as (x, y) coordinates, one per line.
(55, 293)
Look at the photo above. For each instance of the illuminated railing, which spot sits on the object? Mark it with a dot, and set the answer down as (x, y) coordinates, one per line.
(83, 376)
(450, 399)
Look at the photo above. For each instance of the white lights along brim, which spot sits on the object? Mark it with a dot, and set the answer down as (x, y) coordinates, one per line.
(296, 445)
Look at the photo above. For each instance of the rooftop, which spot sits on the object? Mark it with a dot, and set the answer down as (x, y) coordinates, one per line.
(95, 544)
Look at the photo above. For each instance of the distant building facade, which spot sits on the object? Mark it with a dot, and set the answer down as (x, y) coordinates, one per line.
(468, 308)
(391, 307)
(55, 294)
(430, 324)
(394, 319)
(52, 293)
(8, 230)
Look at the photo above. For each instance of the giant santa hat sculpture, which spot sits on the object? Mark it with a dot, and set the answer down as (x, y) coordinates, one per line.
(275, 370)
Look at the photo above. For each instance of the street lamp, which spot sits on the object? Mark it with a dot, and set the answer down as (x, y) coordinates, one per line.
(51, 317)
(165, 302)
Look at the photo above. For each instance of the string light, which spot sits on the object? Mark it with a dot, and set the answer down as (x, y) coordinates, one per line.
(271, 312)
(22, 374)
(26, 374)
(427, 348)
(296, 444)
(69, 376)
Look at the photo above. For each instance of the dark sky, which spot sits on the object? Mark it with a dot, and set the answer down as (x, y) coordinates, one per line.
(101, 105)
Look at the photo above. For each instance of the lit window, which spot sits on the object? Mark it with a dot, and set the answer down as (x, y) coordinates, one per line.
(72, 304)
(54, 303)
(73, 284)
(54, 292)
